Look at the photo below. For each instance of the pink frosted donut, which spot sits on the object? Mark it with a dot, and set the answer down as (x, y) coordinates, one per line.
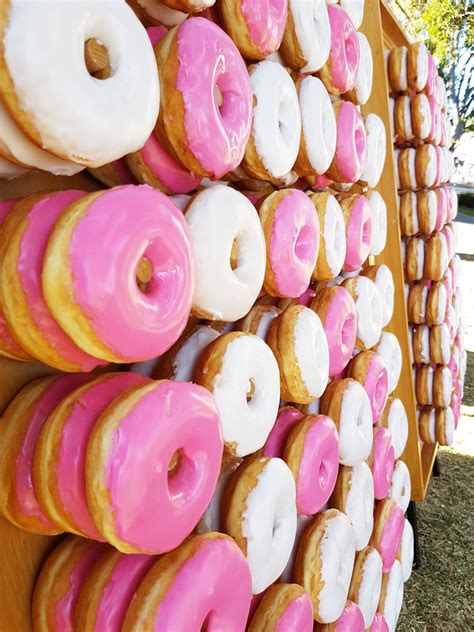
(379, 624)
(368, 368)
(441, 209)
(389, 522)
(106, 311)
(430, 86)
(351, 620)
(312, 454)
(198, 64)
(337, 312)
(286, 420)
(283, 607)
(351, 144)
(291, 229)
(143, 433)
(382, 461)
(340, 71)
(435, 115)
(358, 220)
(113, 174)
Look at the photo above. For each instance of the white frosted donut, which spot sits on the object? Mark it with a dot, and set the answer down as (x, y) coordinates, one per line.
(276, 123)
(366, 583)
(310, 22)
(382, 276)
(318, 127)
(368, 308)
(390, 350)
(156, 10)
(376, 150)
(358, 501)
(379, 222)
(407, 550)
(391, 598)
(395, 418)
(365, 71)
(232, 366)
(180, 361)
(400, 487)
(355, 10)
(217, 217)
(117, 114)
(332, 245)
(9, 171)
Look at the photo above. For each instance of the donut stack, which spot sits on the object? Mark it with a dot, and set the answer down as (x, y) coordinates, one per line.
(427, 207)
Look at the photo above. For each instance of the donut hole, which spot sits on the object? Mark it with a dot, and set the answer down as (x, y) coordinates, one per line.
(251, 390)
(304, 243)
(96, 58)
(144, 274)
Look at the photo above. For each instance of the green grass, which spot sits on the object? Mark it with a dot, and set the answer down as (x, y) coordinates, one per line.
(465, 210)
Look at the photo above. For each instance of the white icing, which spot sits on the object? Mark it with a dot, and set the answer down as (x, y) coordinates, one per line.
(407, 132)
(276, 125)
(386, 289)
(265, 322)
(269, 523)
(397, 423)
(163, 14)
(359, 506)
(370, 587)
(449, 429)
(376, 150)
(87, 120)
(407, 550)
(9, 171)
(432, 425)
(424, 114)
(421, 66)
(403, 76)
(428, 174)
(207, 182)
(424, 341)
(312, 352)
(420, 258)
(369, 312)
(400, 487)
(379, 222)
(445, 349)
(337, 551)
(365, 71)
(355, 425)
(429, 374)
(247, 424)
(185, 360)
(313, 32)
(333, 231)
(390, 351)
(355, 11)
(432, 205)
(411, 167)
(318, 123)
(216, 217)
(180, 200)
(211, 519)
(391, 107)
(394, 596)
(446, 385)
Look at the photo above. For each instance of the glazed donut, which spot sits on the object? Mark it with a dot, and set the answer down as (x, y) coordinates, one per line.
(379, 222)
(391, 595)
(272, 149)
(318, 127)
(100, 131)
(427, 425)
(366, 583)
(113, 174)
(368, 308)
(394, 418)
(358, 221)
(444, 425)
(354, 495)
(312, 454)
(283, 607)
(299, 344)
(442, 386)
(209, 140)
(261, 496)
(417, 66)
(287, 418)
(400, 487)
(350, 619)
(339, 72)
(291, 230)
(425, 166)
(390, 351)
(329, 541)
(382, 276)
(407, 169)
(256, 28)
(258, 320)
(351, 143)
(403, 119)
(407, 206)
(362, 89)
(214, 562)
(108, 589)
(397, 69)
(182, 431)
(421, 344)
(120, 322)
(179, 362)
(415, 259)
(346, 402)
(307, 38)
(368, 368)
(416, 304)
(242, 374)
(336, 309)
(379, 624)
(58, 584)
(241, 274)
(381, 461)
(426, 205)
(420, 116)
(440, 350)
(332, 245)
(376, 151)
(406, 551)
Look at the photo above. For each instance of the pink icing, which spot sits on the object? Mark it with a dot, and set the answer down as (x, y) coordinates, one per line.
(306, 298)
(321, 182)
(376, 385)
(438, 159)
(134, 325)
(207, 58)
(294, 243)
(297, 616)
(124, 174)
(382, 461)
(351, 619)
(351, 141)
(432, 76)
(453, 367)
(455, 403)
(64, 607)
(173, 416)
(391, 537)
(435, 114)
(117, 594)
(319, 465)
(265, 21)
(155, 33)
(344, 55)
(449, 204)
(41, 220)
(287, 418)
(358, 234)
(379, 624)
(83, 414)
(441, 208)
(211, 591)
(46, 403)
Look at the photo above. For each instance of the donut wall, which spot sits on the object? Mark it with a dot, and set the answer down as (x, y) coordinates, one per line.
(206, 380)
